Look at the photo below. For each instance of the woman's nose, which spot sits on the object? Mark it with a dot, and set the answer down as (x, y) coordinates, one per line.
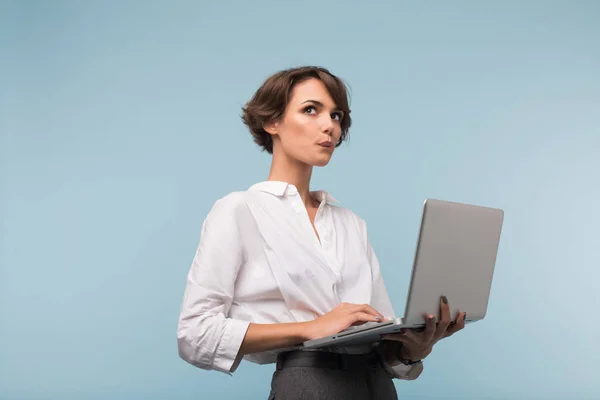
(327, 125)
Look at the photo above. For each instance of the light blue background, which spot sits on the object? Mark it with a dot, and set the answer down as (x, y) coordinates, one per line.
(120, 127)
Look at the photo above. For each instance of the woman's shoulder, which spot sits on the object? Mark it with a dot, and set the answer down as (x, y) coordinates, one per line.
(228, 207)
(229, 203)
(231, 200)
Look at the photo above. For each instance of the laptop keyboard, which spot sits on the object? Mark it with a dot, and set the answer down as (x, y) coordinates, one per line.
(364, 327)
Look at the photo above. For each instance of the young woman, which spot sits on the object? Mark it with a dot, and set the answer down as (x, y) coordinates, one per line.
(279, 264)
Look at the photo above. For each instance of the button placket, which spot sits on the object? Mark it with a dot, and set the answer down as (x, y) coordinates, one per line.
(328, 251)
(302, 213)
(324, 245)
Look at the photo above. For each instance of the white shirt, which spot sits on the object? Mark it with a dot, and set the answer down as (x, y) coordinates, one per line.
(260, 261)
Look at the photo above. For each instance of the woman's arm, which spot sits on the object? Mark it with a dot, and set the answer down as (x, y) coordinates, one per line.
(206, 337)
(264, 337)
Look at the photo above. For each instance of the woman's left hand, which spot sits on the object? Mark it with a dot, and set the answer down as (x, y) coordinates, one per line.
(418, 345)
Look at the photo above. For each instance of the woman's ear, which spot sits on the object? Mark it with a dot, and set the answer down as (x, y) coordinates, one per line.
(271, 127)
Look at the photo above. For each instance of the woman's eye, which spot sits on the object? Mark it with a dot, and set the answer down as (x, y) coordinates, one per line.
(310, 110)
(336, 116)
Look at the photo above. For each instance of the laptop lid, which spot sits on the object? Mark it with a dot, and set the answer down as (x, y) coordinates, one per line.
(455, 256)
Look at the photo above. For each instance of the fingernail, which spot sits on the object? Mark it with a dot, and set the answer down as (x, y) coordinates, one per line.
(444, 299)
(378, 318)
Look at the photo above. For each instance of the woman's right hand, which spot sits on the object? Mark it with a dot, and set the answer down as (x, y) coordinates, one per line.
(340, 318)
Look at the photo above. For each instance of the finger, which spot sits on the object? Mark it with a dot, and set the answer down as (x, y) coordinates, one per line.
(394, 337)
(444, 318)
(429, 332)
(359, 318)
(453, 327)
(444, 310)
(405, 336)
(457, 326)
(365, 308)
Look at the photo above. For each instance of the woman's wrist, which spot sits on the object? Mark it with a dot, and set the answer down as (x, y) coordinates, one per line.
(305, 331)
(406, 357)
(302, 331)
(395, 353)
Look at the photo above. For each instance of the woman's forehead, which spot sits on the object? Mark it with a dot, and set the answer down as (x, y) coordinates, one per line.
(312, 90)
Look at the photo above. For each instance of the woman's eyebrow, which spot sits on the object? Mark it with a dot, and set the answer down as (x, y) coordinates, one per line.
(320, 104)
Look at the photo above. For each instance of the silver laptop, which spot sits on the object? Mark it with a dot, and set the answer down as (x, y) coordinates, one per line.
(455, 257)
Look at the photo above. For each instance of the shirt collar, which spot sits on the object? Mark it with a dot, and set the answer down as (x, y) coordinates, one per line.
(279, 188)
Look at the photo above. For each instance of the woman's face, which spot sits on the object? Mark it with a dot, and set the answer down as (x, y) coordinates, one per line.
(310, 127)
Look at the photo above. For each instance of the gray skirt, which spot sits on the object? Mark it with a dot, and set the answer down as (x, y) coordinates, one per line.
(308, 375)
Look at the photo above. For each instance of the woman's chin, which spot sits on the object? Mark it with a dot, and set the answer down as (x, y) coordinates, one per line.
(321, 161)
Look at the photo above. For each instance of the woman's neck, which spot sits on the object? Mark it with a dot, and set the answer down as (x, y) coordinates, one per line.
(294, 173)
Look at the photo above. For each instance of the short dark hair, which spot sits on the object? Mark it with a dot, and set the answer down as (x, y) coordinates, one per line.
(270, 101)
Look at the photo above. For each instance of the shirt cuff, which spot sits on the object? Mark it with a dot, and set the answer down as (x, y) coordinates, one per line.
(403, 371)
(226, 357)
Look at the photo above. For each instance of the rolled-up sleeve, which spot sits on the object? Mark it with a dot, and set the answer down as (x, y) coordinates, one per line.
(380, 301)
(206, 337)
